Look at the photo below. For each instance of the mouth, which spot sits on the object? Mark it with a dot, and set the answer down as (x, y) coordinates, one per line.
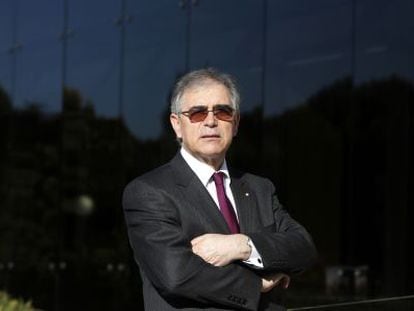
(210, 136)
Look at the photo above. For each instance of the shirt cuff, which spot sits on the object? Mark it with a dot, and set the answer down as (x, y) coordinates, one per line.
(255, 260)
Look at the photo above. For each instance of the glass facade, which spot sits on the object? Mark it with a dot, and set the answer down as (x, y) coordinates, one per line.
(327, 114)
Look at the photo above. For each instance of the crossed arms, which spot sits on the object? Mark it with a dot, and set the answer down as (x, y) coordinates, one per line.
(208, 269)
(223, 249)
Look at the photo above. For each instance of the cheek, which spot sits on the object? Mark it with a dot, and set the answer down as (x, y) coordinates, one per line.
(231, 131)
(190, 133)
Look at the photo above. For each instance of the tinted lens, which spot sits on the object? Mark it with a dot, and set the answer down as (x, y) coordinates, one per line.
(224, 113)
(198, 114)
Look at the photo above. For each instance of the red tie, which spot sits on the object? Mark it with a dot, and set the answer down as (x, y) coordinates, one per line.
(225, 205)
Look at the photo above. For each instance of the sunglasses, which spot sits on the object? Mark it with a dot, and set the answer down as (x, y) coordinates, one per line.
(200, 113)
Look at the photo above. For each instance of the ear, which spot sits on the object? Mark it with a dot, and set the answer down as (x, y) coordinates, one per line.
(236, 122)
(176, 124)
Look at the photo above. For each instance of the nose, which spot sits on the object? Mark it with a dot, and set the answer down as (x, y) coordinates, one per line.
(210, 120)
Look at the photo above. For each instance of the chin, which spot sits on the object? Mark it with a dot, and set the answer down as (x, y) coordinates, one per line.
(213, 151)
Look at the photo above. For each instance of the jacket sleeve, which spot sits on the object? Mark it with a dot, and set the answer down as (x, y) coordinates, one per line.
(283, 244)
(164, 253)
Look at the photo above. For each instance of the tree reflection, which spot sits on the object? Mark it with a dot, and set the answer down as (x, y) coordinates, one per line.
(341, 161)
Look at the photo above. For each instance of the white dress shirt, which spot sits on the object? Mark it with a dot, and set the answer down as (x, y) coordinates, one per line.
(205, 172)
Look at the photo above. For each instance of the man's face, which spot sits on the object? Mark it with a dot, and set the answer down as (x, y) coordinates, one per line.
(209, 139)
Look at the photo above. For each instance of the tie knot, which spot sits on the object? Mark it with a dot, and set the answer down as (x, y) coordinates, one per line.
(218, 178)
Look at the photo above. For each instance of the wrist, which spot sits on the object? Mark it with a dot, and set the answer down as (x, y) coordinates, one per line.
(245, 247)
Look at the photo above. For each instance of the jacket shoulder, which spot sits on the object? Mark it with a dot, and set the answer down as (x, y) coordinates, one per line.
(158, 177)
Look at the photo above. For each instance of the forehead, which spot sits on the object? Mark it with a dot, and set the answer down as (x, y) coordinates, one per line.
(208, 93)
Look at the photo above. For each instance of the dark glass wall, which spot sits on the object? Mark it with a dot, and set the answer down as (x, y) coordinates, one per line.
(154, 55)
(327, 115)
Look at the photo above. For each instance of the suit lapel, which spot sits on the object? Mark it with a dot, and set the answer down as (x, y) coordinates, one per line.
(245, 203)
(197, 198)
(199, 201)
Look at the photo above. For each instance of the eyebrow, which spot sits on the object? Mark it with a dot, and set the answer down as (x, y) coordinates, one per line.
(198, 107)
(204, 106)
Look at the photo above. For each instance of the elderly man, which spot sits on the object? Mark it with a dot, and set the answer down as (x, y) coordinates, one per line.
(205, 236)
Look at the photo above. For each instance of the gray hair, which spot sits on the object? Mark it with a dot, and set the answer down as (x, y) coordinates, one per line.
(199, 78)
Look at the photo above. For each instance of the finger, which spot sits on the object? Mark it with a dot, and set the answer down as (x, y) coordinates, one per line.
(282, 279)
(276, 279)
(195, 249)
(286, 282)
(197, 240)
(267, 285)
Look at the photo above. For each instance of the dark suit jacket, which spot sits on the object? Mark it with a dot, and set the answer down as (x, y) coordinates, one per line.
(169, 206)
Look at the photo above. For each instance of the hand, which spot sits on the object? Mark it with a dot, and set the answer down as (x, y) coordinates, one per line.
(221, 249)
(271, 281)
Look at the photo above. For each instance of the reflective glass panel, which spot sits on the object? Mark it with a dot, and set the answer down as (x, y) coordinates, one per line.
(154, 57)
(92, 56)
(6, 42)
(38, 64)
(229, 35)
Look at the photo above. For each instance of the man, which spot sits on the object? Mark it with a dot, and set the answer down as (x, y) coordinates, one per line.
(207, 237)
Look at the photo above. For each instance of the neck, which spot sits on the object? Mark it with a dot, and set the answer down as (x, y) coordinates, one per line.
(214, 163)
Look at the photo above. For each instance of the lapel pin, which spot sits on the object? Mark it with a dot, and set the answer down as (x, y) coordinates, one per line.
(247, 194)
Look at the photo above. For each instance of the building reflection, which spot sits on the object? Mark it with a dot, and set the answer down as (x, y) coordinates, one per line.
(341, 160)
(327, 115)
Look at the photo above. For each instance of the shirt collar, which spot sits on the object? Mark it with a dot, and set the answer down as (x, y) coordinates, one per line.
(201, 169)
